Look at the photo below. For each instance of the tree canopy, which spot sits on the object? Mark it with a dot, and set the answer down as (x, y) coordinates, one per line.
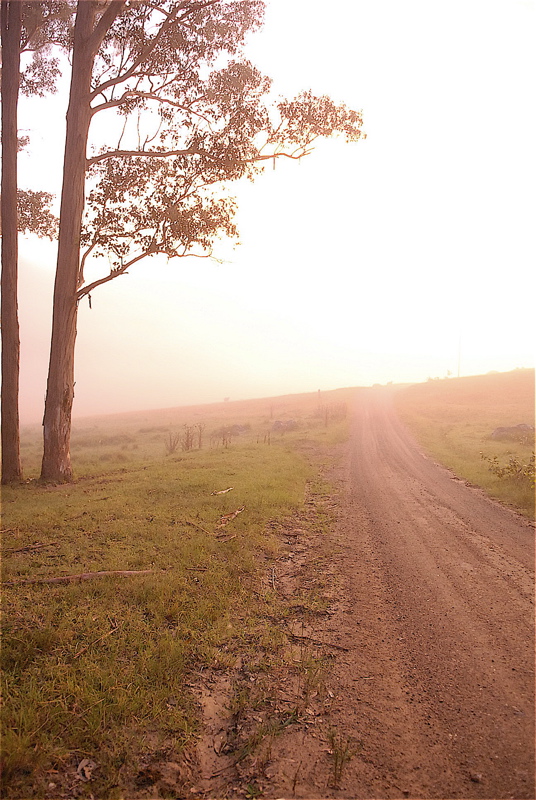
(194, 118)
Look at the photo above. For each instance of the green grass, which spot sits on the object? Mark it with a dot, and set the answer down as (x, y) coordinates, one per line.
(98, 669)
(453, 419)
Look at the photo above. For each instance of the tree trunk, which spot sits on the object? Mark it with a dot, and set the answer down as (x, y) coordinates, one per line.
(56, 464)
(11, 31)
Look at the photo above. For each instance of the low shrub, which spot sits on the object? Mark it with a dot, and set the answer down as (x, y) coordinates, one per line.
(514, 469)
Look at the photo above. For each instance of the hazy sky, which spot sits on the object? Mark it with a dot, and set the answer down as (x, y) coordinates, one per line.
(364, 263)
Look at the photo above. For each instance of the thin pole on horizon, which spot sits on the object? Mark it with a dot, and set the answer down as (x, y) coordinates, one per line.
(459, 353)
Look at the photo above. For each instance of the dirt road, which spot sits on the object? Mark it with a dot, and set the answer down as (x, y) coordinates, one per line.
(442, 585)
(432, 683)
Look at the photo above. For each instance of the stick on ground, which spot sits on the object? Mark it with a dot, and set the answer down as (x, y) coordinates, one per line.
(29, 547)
(83, 576)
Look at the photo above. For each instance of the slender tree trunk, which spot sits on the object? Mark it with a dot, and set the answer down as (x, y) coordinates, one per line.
(11, 30)
(56, 464)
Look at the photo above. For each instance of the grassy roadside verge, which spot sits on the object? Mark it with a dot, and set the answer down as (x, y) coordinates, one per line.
(95, 671)
(453, 420)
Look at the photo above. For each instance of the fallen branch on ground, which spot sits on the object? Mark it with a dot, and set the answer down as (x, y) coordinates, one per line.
(104, 636)
(228, 517)
(83, 576)
(316, 641)
(199, 527)
(29, 547)
(223, 537)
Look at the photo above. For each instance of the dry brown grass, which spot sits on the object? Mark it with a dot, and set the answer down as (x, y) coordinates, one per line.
(454, 418)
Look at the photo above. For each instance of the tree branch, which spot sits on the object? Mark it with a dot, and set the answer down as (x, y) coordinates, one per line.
(84, 258)
(105, 23)
(85, 290)
(114, 273)
(188, 152)
(139, 154)
(148, 96)
(141, 58)
(267, 157)
(171, 18)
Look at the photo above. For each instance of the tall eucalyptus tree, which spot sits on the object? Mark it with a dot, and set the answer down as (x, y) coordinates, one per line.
(25, 28)
(195, 116)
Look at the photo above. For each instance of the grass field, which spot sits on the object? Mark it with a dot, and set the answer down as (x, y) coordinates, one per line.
(454, 418)
(95, 672)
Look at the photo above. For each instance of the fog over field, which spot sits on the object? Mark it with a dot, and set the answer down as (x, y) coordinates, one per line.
(404, 256)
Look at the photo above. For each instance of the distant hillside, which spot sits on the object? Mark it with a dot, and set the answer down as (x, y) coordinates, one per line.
(506, 392)
(454, 419)
(135, 438)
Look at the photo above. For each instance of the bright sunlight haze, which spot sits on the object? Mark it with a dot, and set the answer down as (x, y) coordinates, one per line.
(404, 256)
